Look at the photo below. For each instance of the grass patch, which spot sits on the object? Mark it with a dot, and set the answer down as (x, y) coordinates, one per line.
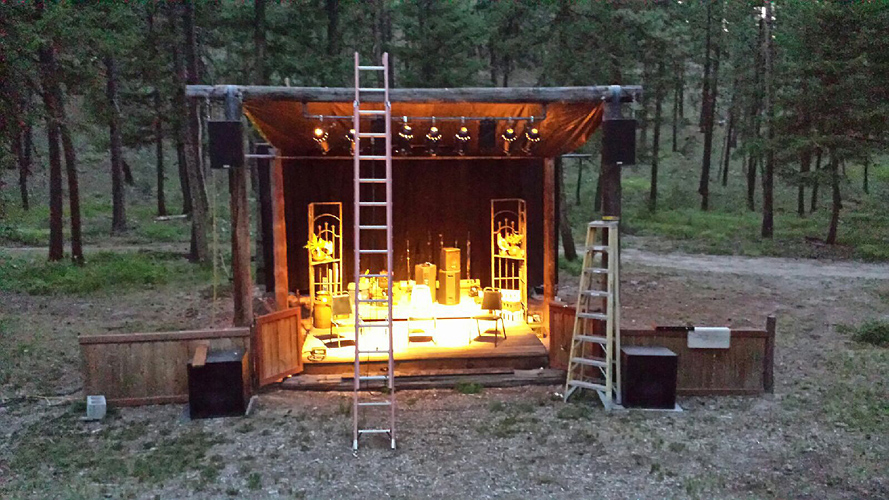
(873, 332)
(102, 271)
(468, 388)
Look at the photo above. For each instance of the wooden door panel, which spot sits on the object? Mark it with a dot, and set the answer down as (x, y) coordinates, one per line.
(279, 341)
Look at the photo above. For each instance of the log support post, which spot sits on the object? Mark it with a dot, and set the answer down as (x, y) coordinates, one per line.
(768, 375)
(610, 178)
(550, 240)
(242, 285)
(279, 235)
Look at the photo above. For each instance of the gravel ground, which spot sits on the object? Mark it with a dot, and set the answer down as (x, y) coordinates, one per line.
(823, 434)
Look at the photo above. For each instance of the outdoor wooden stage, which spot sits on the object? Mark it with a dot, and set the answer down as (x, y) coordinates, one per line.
(457, 347)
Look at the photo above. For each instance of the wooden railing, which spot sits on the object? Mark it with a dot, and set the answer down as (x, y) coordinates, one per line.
(746, 367)
(148, 368)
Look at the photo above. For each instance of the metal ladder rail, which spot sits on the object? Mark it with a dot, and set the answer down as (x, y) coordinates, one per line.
(358, 227)
(610, 366)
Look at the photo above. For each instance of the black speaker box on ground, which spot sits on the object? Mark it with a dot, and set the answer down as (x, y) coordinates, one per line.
(221, 387)
(449, 287)
(619, 142)
(450, 259)
(226, 143)
(648, 377)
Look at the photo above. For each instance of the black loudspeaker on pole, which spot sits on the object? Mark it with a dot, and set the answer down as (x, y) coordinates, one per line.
(619, 142)
(226, 143)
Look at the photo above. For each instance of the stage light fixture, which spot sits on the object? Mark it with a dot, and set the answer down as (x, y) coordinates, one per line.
(532, 137)
(463, 136)
(405, 135)
(509, 136)
(320, 136)
(433, 137)
(350, 136)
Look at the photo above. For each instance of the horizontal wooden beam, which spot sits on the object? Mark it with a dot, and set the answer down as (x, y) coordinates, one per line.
(125, 338)
(463, 94)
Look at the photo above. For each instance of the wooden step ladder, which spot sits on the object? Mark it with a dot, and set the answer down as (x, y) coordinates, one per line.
(370, 202)
(594, 362)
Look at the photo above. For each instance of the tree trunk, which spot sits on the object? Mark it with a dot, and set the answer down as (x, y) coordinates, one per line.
(118, 208)
(708, 49)
(768, 178)
(23, 145)
(597, 197)
(158, 119)
(729, 130)
(159, 153)
(579, 180)
(805, 164)
(180, 118)
(643, 115)
(751, 182)
(836, 199)
(814, 205)
(865, 186)
(677, 107)
(49, 77)
(332, 7)
(200, 248)
(656, 141)
(73, 190)
(564, 223)
(259, 43)
(710, 107)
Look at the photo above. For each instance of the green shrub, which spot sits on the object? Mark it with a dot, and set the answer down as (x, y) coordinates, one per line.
(873, 332)
(468, 387)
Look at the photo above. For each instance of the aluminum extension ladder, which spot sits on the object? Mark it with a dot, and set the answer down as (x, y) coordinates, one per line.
(594, 362)
(367, 222)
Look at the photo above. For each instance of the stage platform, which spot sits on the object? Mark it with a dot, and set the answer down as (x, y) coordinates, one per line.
(450, 343)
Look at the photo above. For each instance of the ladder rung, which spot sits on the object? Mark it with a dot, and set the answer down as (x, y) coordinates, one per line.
(374, 251)
(371, 89)
(373, 227)
(597, 270)
(362, 301)
(592, 315)
(590, 362)
(607, 224)
(372, 135)
(381, 324)
(375, 403)
(591, 338)
(373, 181)
(373, 377)
(373, 275)
(371, 68)
(587, 385)
(596, 293)
(372, 203)
(598, 248)
(374, 431)
(376, 112)
(373, 352)
(372, 157)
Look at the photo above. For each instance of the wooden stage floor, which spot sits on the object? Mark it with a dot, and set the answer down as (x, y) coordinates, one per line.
(456, 345)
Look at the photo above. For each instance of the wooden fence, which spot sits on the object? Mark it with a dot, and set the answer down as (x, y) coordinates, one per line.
(746, 367)
(148, 368)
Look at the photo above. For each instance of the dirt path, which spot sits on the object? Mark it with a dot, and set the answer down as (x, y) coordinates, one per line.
(764, 266)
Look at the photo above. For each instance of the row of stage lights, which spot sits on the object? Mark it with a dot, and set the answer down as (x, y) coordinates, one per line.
(433, 139)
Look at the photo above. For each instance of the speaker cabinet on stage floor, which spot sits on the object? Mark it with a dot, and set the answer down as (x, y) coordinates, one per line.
(619, 142)
(450, 259)
(648, 377)
(449, 287)
(226, 143)
(424, 274)
(221, 387)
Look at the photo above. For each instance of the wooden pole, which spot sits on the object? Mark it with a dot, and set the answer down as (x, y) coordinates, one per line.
(279, 231)
(610, 173)
(768, 374)
(240, 214)
(550, 239)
